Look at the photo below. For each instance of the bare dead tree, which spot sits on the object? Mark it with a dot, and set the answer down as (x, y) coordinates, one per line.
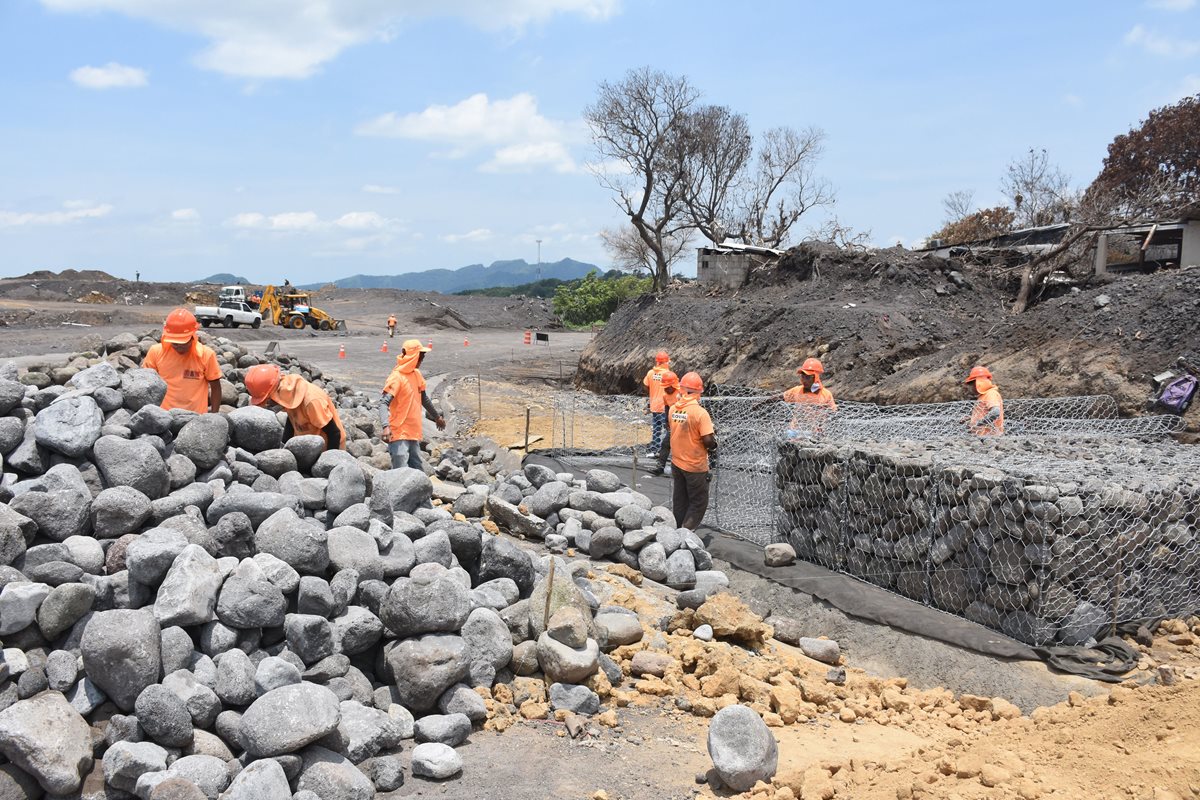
(1096, 212)
(1038, 191)
(958, 205)
(630, 253)
(834, 232)
(782, 185)
(714, 149)
(636, 126)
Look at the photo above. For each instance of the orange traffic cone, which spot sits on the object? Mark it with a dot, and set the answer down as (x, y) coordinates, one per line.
(466, 343)
(384, 348)
(430, 344)
(342, 351)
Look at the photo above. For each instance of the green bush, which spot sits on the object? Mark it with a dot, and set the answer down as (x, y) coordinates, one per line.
(594, 298)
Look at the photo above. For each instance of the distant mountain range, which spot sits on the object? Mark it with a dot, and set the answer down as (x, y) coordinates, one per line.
(224, 278)
(474, 276)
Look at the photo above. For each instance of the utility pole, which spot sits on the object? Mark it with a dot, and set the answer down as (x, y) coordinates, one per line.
(539, 263)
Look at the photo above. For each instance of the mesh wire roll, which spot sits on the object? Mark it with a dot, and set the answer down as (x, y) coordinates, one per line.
(1073, 521)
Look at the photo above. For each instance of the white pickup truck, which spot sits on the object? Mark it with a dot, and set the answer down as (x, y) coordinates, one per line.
(230, 313)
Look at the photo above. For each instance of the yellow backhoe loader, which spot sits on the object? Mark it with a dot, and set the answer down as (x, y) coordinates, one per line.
(293, 309)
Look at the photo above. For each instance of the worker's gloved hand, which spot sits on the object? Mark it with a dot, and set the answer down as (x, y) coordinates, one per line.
(387, 433)
(441, 423)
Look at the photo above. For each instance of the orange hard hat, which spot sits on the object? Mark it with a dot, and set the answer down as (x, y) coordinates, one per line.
(261, 380)
(811, 366)
(413, 346)
(179, 327)
(670, 379)
(692, 383)
(978, 372)
(661, 357)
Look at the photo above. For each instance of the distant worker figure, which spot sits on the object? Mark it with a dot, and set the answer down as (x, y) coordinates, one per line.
(309, 410)
(810, 393)
(137, 277)
(190, 369)
(658, 408)
(401, 403)
(987, 417)
(689, 444)
(391, 323)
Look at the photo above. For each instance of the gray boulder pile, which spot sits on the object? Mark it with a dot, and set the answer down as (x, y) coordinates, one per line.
(187, 601)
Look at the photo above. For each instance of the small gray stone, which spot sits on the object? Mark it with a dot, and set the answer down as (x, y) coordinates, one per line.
(244, 603)
(164, 716)
(235, 678)
(462, 699)
(423, 667)
(574, 698)
(122, 653)
(652, 561)
(203, 440)
(331, 776)
(622, 629)
(308, 636)
(69, 426)
(260, 780)
(254, 428)
(436, 761)
(293, 541)
(286, 719)
(118, 511)
(448, 729)
(49, 740)
(779, 554)
(125, 762)
(188, 594)
(135, 463)
(274, 672)
(426, 603)
(564, 664)
(742, 748)
(704, 633)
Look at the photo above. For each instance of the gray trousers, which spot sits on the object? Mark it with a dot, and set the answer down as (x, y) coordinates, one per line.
(689, 497)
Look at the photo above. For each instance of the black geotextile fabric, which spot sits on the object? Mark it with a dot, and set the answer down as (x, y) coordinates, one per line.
(1109, 661)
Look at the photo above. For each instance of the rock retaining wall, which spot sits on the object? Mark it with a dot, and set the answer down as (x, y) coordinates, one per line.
(1048, 542)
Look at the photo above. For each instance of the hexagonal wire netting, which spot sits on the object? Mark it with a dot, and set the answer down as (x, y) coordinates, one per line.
(1073, 521)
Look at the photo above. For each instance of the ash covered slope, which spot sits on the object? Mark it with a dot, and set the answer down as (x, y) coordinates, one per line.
(894, 327)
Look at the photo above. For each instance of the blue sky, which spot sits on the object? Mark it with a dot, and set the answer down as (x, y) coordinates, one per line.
(312, 139)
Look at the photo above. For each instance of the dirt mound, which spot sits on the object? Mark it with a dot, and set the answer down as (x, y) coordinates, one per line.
(895, 327)
(95, 297)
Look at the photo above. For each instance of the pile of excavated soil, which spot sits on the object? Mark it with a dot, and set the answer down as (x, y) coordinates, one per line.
(891, 327)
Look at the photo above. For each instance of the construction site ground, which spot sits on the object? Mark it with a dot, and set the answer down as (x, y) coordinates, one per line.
(1074, 738)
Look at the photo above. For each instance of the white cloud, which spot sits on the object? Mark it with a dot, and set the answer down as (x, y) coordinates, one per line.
(525, 157)
(293, 38)
(1171, 5)
(287, 221)
(521, 137)
(477, 235)
(1159, 45)
(361, 221)
(75, 210)
(1073, 100)
(185, 215)
(374, 188)
(111, 76)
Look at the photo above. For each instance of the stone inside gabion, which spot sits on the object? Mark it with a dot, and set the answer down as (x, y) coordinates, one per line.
(1045, 541)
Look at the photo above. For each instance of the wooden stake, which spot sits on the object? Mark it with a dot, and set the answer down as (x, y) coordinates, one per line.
(549, 594)
(526, 430)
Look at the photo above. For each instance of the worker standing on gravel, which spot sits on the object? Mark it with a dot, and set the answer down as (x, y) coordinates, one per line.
(987, 417)
(401, 403)
(688, 445)
(189, 368)
(309, 410)
(391, 323)
(658, 407)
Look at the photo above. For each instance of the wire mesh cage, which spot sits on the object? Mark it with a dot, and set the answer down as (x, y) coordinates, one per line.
(1073, 521)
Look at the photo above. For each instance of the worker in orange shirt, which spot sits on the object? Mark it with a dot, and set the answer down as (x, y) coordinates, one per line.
(391, 323)
(309, 410)
(190, 369)
(401, 403)
(987, 417)
(658, 408)
(811, 400)
(688, 445)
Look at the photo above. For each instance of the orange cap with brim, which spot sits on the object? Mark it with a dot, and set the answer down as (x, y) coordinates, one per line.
(179, 327)
(261, 380)
(414, 346)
